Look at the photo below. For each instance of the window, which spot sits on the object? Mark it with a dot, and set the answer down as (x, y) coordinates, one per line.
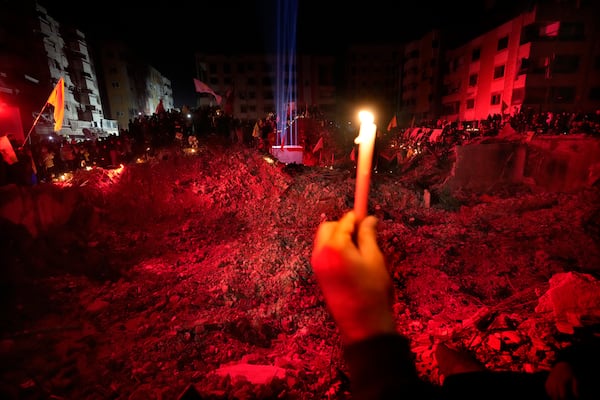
(502, 43)
(495, 99)
(528, 33)
(523, 66)
(565, 64)
(450, 108)
(562, 94)
(549, 29)
(476, 54)
(413, 54)
(518, 95)
(571, 31)
(535, 95)
(470, 104)
(473, 80)
(499, 71)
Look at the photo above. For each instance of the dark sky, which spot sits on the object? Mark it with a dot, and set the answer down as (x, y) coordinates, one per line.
(168, 33)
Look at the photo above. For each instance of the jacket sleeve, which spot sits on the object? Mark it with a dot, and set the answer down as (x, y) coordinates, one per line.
(383, 367)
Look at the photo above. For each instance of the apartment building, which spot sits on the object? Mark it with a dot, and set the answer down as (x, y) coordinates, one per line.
(371, 78)
(37, 52)
(545, 59)
(421, 79)
(250, 83)
(130, 87)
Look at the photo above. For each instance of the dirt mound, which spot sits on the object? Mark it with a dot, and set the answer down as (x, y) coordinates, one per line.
(194, 270)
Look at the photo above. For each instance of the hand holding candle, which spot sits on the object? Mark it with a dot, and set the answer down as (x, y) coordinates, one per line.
(366, 142)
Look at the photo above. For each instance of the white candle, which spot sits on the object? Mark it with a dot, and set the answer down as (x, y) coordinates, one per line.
(366, 142)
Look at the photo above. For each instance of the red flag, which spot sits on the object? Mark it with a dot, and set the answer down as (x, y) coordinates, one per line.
(318, 146)
(393, 124)
(202, 87)
(57, 99)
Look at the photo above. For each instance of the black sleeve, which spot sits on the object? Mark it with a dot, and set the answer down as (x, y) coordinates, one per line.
(584, 357)
(383, 367)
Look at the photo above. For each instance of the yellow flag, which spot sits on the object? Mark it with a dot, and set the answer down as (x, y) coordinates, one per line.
(57, 99)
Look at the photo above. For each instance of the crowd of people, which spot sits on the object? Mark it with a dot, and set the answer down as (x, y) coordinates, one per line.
(43, 159)
(525, 121)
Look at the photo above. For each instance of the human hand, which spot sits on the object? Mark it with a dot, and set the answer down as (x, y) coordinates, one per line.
(353, 277)
(561, 383)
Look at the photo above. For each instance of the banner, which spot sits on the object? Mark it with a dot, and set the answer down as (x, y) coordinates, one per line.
(318, 146)
(202, 87)
(57, 99)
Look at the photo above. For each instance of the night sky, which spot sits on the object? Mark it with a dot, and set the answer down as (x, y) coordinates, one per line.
(169, 33)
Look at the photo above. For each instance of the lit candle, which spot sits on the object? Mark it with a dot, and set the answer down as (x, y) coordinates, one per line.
(366, 142)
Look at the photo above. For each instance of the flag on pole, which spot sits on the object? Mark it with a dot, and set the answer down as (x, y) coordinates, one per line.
(393, 123)
(202, 87)
(57, 99)
(318, 146)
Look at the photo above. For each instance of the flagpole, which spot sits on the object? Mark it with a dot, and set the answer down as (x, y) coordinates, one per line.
(34, 123)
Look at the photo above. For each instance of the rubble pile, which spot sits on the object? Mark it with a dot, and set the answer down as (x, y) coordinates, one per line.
(193, 275)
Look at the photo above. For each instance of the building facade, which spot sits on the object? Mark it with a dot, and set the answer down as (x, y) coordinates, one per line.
(38, 51)
(249, 83)
(421, 79)
(103, 89)
(372, 79)
(130, 87)
(545, 59)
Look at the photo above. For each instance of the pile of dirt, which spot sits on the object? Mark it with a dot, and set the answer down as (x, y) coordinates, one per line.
(193, 272)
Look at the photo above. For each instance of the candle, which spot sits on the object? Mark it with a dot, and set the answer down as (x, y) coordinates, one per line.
(366, 142)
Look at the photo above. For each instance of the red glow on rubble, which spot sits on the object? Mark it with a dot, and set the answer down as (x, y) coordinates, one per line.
(103, 178)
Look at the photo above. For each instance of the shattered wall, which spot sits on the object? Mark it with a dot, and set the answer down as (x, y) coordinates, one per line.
(552, 163)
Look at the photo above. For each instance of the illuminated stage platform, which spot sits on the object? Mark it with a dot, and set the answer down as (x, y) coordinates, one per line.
(288, 154)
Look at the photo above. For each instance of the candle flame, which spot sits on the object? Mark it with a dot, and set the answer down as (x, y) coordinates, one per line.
(366, 119)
